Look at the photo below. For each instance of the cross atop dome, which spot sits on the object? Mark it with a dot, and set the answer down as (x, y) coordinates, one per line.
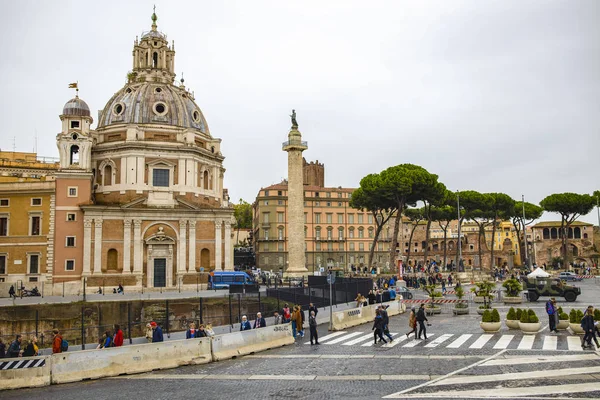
(154, 18)
(153, 59)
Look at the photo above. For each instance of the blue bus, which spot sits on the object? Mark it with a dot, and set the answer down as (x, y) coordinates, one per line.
(223, 279)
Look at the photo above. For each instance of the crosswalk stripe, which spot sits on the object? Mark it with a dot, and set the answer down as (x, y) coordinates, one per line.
(574, 343)
(550, 343)
(537, 359)
(460, 341)
(526, 343)
(416, 341)
(479, 343)
(359, 340)
(503, 342)
(330, 336)
(439, 340)
(343, 338)
(372, 343)
(396, 341)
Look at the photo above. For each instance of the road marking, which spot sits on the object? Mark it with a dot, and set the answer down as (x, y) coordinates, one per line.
(512, 392)
(345, 337)
(460, 341)
(526, 342)
(330, 336)
(359, 340)
(415, 342)
(539, 359)
(439, 340)
(283, 377)
(466, 379)
(550, 343)
(574, 343)
(396, 341)
(503, 342)
(402, 394)
(152, 376)
(479, 343)
(369, 344)
(365, 356)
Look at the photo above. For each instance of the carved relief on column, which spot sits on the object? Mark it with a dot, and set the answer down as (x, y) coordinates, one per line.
(192, 246)
(127, 246)
(97, 268)
(137, 246)
(218, 264)
(87, 245)
(182, 256)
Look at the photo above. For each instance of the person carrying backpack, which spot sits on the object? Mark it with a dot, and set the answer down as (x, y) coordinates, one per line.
(57, 342)
(108, 340)
(287, 316)
(14, 350)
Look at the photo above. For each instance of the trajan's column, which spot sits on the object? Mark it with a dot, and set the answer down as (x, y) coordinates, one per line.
(294, 147)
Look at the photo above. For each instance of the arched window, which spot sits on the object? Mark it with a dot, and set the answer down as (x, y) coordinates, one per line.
(329, 233)
(371, 233)
(155, 60)
(318, 233)
(351, 232)
(546, 233)
(280, 233)
(570, 233)
(205, 178)
(436, 247)
(74, 157)
(553, 233)
(341, 233)
(205, 260)
(107, 178)
(112, 260)
(577, 233)
(585, 235)
(361, 232)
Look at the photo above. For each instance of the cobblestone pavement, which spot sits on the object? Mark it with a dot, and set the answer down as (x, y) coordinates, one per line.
(457, 361)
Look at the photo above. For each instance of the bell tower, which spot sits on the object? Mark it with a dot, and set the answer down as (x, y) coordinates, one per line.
(153, 58)
(75, 140)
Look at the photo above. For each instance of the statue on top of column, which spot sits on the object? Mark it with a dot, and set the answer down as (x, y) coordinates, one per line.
(294, 122)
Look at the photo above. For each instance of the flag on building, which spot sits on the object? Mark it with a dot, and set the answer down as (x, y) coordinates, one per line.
(73, 85)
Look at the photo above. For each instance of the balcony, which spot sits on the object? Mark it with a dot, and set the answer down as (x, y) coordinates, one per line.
(294, 145)
(271, 239)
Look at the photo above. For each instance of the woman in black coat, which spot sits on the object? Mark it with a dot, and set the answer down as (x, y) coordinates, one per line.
(587, 323)
(378, 325)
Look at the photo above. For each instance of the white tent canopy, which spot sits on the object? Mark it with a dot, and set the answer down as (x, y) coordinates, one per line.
(538, 273)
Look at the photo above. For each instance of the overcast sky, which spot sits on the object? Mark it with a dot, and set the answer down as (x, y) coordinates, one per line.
(490, 95)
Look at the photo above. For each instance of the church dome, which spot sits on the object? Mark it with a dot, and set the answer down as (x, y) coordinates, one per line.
(76, 107)
(153, 103)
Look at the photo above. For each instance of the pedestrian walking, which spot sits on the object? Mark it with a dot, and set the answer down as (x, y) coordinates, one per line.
(312, 325)
(149, 332)
(11, 292)
(386, 322)
(157, 333)
(551, 311)
(378, 327)
(201, 332)
(587, 323)
(443, 286)
(300, 327)
(2, 349)
(118, 336)
(277, 318)
(245, 325)
(412, 322)
(57, 342)
(31, 350)
(286, 313)
(14, 350)
(209, 330)
(421, 318)
(192, 332)
(107, 340)
(311, 308)
(259, 322)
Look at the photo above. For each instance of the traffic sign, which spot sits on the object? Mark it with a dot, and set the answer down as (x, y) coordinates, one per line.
(330, 279)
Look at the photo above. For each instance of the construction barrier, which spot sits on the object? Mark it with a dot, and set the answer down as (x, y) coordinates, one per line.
(235, 344)
(94, 364)
(17, 373)
(361, 315)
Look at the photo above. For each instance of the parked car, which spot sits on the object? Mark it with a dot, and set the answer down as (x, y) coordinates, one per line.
(404, 292)
(569, 276)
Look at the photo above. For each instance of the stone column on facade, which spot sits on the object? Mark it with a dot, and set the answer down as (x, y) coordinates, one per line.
(296, 254)
(218, 224)
(181, 257)
(137, 247)
(192, 246)
(228, 260)
(87, 245)
(127, 246)
(97, 268)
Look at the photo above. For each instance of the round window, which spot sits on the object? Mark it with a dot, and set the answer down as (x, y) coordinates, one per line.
(196, 116)
(160, 108)
(74, 136)
(157, 90)
(118, 109)
(128, 90)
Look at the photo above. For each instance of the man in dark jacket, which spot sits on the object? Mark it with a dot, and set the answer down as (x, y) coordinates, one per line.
(386, 321)
(311, 308)
(551, 310)
(157, 334)
(421, 318)
(15, 348)
(312, 323)
(259, 322)
(303, 317)
(587, 323)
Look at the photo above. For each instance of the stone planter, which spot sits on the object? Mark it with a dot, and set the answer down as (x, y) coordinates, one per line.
(433, 310)
(490, 327)
(481, 310)
(562, 325)
(576, 328)
(529, 328)
(512, 300)
(478, 299)
(512, 324)
(460, 311)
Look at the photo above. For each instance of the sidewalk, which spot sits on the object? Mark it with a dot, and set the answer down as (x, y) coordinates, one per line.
(322, 318)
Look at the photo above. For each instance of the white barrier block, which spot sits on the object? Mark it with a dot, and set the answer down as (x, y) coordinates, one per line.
(241, 343)
(19, 378)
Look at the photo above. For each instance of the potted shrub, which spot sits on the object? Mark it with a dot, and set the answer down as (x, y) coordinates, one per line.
(575, 317)
(513, 291)
(461, 308)
(431, 308)
(512, 321)
(529, 322)
(563, 320)
(482, 291)
(490, 321)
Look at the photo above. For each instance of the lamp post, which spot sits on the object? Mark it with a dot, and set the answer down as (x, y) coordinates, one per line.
(459, 261)
(525, 233)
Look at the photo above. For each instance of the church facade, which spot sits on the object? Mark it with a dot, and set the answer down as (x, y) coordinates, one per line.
(139, 200)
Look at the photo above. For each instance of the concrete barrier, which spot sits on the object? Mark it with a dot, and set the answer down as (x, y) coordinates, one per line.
(236, 344)
(362, 315)
(17, 373)
(94, 364)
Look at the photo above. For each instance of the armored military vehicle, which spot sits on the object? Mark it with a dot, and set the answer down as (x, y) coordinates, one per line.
(550, 287)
